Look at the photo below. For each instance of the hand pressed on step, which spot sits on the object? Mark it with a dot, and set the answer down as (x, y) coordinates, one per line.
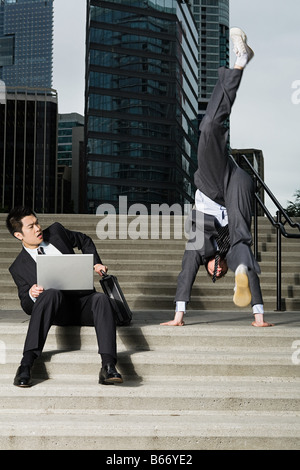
(178, 320)
(259, 321)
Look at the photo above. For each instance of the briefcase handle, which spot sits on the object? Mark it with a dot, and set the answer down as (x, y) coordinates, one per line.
(104, 274)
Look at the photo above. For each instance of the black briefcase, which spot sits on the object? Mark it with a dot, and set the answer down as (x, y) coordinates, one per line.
(112, 289)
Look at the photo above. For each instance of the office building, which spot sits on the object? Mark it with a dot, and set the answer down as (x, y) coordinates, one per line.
(28, 149)
(70, 137)
(26, 43)
(28, 110)
(66, 124)
(212, 19)
(141, 105)
(78, 192)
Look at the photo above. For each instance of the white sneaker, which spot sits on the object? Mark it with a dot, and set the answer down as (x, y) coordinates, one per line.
(242, 294)
(243, 52)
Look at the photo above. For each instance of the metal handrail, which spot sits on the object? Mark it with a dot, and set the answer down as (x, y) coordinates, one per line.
(279, 224)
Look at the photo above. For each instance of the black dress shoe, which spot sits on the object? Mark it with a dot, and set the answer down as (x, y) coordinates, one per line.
(23, 377)
(109, 375)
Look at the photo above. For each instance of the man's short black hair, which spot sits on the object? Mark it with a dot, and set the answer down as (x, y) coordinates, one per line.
(210, 275)
(14, 219)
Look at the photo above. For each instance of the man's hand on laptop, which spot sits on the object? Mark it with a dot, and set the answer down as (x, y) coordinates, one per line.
(100, 267)
(36, 290)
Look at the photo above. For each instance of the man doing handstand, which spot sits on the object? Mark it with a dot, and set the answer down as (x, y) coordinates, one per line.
(224, 199)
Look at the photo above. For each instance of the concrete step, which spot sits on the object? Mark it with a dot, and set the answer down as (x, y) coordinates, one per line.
(169, 263)
(156, 276)
(153, 393)
(201, 330)
(202, 288)
(156, 263)
(148, 302)
(161, 363)
(145, 296)
(207, 344)
(172, 430)
(135, 227)
(141, 261)
(216, 383)
(154, 253)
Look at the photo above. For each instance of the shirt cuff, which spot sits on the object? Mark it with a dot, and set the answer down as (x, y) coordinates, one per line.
(181, 306)
(32, 298)
(258, 308)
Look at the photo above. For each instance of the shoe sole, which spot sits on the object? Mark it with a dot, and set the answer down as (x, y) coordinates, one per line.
(250, 53)
(242, 295)
(240, 32)
(112, 381)
(23, 386)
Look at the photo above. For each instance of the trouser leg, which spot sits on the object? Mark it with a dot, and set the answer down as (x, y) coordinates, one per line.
(223, 96)
(96, 310)
(239, 195)
(46, 309)
(213, 161)
(190, 265)
(54, 307)
(255, 289)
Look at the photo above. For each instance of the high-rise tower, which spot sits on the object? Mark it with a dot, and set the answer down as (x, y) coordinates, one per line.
(141, 102)
(26, 43)
(28, 106)
(212, 19)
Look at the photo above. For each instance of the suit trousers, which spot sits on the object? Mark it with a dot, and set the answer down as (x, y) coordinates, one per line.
(219, 178)
(191, 263)
(55, 307)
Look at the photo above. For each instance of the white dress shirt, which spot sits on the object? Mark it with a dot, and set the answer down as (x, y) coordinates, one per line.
(208, 206)
(48, 249)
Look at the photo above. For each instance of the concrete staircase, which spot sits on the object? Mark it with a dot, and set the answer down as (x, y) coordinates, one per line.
(148, 268)
(216, 383)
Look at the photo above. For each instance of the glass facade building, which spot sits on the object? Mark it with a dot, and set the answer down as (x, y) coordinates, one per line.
(26, 43)
(28, 149)
(28, 110)
(141, 127)
(66, 124)
(212, 18)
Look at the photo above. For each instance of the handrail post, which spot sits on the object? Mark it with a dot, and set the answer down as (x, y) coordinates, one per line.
(255, 219)
(279, 303)
(278, 224)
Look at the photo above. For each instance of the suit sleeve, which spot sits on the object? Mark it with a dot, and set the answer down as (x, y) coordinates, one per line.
(82, 242)
(23, 291)
(202, 230)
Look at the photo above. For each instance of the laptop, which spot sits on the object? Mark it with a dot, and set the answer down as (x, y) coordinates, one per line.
(65, 272)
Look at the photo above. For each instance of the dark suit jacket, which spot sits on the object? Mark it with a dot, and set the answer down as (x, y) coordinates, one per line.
(23, 269)
(203, 232)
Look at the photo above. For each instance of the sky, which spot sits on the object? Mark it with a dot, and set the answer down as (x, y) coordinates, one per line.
(266, 114)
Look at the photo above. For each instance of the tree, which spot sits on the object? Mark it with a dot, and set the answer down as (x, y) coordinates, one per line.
(293, 208)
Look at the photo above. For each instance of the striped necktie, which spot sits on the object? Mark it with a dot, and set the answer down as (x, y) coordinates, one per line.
(223, 241)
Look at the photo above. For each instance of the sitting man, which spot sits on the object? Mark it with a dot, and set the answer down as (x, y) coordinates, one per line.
(55, 307)
(223, 202)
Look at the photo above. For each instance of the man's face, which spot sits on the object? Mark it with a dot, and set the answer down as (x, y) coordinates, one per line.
(221, 269)
(31, 235)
